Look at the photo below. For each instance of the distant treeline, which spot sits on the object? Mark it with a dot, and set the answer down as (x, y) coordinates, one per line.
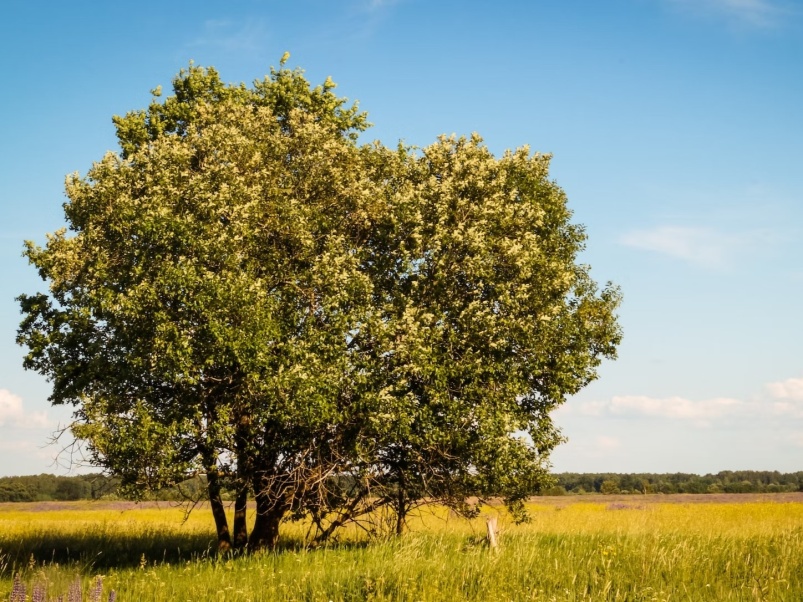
(47, 487)
(727, 481)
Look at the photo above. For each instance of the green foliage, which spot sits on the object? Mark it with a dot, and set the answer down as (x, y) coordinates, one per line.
(728, 481)
(245, 293)
(608, 487)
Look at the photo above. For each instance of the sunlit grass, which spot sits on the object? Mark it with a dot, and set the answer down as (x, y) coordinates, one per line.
(598, 550)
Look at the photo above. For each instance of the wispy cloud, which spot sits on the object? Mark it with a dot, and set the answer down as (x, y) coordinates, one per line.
(700, 246)
(760, 14)
(29, 448)
(379, 4)
(230, 36)
(367, 17)
(598, 446)
(605, 443)
(13, 414)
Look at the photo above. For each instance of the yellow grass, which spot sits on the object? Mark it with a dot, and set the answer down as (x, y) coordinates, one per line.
(584, 548)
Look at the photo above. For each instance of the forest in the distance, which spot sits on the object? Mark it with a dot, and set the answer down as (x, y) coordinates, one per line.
(726, 481)
(48, 487)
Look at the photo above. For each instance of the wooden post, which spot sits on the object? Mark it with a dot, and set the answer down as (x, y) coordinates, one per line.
(491, 524)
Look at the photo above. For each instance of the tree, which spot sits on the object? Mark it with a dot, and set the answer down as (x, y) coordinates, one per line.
(71, 489)
(248, 294)
(609, 486)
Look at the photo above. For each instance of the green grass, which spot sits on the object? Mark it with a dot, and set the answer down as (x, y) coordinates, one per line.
(572, 550)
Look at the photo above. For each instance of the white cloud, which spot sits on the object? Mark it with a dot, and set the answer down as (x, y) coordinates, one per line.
(791, 388)
(699, 413)
(788, 409)
(761, 14)
(674, 407)
(788, 397)
(780, 400)
(13, 414)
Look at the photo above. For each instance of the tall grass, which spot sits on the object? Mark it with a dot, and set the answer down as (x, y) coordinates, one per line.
(581, 551)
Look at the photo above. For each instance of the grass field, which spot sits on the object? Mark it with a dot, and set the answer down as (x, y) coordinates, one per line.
(713, 547)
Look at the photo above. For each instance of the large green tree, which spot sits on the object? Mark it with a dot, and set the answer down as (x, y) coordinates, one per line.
(245, 292)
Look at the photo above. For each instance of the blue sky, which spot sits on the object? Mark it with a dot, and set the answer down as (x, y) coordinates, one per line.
(677, 132)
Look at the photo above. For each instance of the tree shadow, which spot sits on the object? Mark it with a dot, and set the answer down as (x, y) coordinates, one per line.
(94, 551)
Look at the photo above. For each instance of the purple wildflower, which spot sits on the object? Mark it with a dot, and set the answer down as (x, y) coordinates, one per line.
(112, 596)
(18, 589)
(97, 589)
(74, 594)
(38, 594)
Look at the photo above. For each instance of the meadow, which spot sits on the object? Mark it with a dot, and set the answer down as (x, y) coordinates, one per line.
(646, 548)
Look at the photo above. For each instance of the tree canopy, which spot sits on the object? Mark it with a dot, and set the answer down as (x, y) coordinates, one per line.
(246, 292)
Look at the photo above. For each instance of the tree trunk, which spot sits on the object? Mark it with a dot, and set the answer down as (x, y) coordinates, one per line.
(243, 469)
(401, 506)
(240, 527)
(218, 511)
(265, 534)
